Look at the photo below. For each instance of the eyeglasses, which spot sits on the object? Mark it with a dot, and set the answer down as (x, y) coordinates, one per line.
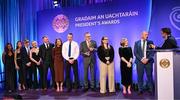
(88, 36)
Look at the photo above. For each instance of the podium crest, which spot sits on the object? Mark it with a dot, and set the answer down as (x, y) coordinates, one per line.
(164, 63)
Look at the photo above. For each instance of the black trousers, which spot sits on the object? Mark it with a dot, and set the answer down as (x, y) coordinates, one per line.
(35, 77)
(40, 68)
(68, 72)
(46, 66)
(22, 75)
(29, 79)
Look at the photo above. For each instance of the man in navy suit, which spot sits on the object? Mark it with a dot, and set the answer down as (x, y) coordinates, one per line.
(144, 61)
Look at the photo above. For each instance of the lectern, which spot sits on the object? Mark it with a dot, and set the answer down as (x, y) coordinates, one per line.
(167, 74)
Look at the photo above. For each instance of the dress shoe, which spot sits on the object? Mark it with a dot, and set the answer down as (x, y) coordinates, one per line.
(93, 89)
(85, 89)
(76, 90)
(150, 93)
(69, 90)
(140, 92)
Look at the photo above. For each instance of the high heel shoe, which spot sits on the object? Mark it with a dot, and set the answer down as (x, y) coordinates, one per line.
(23, 87)
(57, 90)
(61, 89)
(19, 88)
(129, 92)
(124, 92)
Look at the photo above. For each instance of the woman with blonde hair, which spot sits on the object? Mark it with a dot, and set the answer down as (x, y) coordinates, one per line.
(126, 56)
(36, 62)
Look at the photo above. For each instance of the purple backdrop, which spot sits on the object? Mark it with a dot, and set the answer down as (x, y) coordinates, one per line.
(128, 19)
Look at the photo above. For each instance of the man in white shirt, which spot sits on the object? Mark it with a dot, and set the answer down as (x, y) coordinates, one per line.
(70, 52)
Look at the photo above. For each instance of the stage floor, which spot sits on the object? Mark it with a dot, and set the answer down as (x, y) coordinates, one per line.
(79, 95)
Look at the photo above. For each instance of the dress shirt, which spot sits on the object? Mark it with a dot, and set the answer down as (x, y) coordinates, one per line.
(74, 50)
(145, 48)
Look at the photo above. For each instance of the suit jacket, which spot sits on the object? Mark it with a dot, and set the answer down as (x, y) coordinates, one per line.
(139, 53)
(42, 51)
(169, 43)
(84, 48)
(25, 56)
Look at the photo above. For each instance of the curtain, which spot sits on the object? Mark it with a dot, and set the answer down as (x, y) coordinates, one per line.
(18, 19)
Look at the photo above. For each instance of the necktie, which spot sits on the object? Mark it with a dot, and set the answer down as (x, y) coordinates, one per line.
(69, 51)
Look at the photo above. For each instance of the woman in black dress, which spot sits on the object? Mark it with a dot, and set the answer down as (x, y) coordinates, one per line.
(9, 68)
(126, 57)
(18, 66)
(36, 62)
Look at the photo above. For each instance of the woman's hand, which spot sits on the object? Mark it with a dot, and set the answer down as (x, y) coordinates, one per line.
(129, 65)
(38, 63)
(107, 62)
(17, 67)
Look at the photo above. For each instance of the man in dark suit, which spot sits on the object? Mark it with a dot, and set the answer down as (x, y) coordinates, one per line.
(45, 51)
(26, 64)
(87, 50)
(144, 61)
(169, 41)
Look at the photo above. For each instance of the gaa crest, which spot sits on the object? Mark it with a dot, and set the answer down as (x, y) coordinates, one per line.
(164, 63)
(60, 23)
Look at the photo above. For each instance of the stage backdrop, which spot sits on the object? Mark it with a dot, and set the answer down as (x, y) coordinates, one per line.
(116, 20)
(18, 20)
(165, 14)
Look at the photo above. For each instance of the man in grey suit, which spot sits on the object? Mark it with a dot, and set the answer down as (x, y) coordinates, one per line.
(144, 61)
(87, 50)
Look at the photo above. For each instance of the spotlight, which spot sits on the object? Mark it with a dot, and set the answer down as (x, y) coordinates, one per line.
(56, 3)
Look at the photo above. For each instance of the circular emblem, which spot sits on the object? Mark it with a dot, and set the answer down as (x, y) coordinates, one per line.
(175, 17)
(60, 23)
(164, 63)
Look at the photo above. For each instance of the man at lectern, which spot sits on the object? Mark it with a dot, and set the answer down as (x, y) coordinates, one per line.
(169, 41)
(144, 62)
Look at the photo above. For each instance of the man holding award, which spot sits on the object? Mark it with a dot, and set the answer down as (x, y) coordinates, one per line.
(87, 50)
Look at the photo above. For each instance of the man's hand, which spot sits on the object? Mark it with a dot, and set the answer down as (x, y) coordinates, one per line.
(144, 61)
(91, 49)
(71, 61)
(152, 46)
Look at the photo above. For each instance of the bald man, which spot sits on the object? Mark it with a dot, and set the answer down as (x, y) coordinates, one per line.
(144, 61)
